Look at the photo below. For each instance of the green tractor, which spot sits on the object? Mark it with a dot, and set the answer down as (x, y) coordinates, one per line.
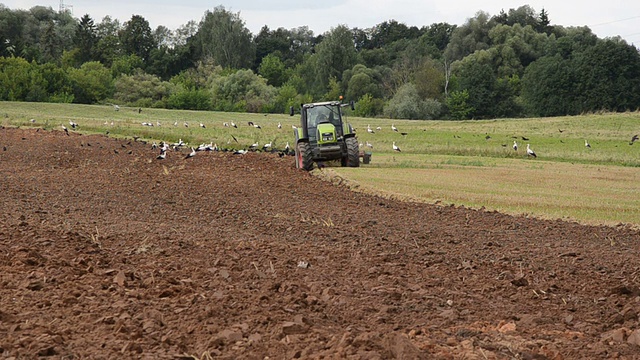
(323, 136)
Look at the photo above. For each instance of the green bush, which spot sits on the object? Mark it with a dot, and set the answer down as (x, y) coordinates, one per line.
(407, 104)
(131, 89)
(368, 106)
(186, 99)
(92, 82)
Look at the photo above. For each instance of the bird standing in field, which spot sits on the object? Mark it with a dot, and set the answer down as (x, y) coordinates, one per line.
(191, 154)
(633, 139)
(394, 128)
(395, 147)
(279, 126)
(202, 125)
(530, 152)
(586, 143)
(515, 145)
(369, 130)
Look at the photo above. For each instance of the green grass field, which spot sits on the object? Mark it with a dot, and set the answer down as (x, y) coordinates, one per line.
(468, 163)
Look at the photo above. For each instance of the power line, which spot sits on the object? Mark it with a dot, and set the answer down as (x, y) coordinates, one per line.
(615, 21)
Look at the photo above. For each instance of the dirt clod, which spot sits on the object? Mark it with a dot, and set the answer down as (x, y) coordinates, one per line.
(107, 255)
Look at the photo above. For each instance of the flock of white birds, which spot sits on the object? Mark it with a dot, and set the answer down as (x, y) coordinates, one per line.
(164, 147)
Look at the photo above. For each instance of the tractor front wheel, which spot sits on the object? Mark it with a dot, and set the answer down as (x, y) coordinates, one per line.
(304, 157)
(353, 153)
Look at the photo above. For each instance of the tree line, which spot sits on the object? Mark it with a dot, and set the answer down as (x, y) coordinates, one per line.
(513, 64)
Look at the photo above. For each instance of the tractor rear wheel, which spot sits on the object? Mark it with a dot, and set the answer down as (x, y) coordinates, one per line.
(353, 153)
(304, 157)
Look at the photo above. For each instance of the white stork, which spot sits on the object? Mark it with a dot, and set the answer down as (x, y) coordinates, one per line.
(191, 154)
(369, 130)
(515, 145)
(279, 126)
(394, 128)
(530, 152)
(395, 147)
(586, 143)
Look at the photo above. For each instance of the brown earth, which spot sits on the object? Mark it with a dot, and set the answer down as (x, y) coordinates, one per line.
(106, 252)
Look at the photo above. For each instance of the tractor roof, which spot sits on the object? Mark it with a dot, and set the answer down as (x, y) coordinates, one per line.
(331, 103)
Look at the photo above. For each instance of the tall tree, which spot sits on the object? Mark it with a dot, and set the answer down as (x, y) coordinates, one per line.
(277, 42)
(389, 31)
(439, 34)
(548, 87)
(335, 54)
(544, 24)
(136, 38)
(224, 38)
(108, 46)
(51, 44)
(472, 36)
(608, 76)
(85, 38)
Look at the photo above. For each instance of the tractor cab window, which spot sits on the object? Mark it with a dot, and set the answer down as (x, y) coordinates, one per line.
(319, 115)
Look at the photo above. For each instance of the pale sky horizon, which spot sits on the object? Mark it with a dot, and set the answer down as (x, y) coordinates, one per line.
(605, 19)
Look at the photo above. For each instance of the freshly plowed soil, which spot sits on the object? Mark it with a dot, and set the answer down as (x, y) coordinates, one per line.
(107, 252)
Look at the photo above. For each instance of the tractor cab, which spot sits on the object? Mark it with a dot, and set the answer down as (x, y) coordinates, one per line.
(323, 136)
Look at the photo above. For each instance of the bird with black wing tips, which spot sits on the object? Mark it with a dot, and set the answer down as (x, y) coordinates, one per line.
(191, 154)
(530, 152)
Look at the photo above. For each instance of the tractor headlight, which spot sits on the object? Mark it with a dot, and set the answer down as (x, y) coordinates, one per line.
(327, 136)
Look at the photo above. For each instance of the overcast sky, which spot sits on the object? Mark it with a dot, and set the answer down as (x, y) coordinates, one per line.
(605, 18)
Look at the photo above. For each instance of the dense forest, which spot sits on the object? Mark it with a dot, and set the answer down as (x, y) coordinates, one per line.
(513, 64)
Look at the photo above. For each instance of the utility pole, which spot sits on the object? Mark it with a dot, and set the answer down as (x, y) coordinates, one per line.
(64, 7)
